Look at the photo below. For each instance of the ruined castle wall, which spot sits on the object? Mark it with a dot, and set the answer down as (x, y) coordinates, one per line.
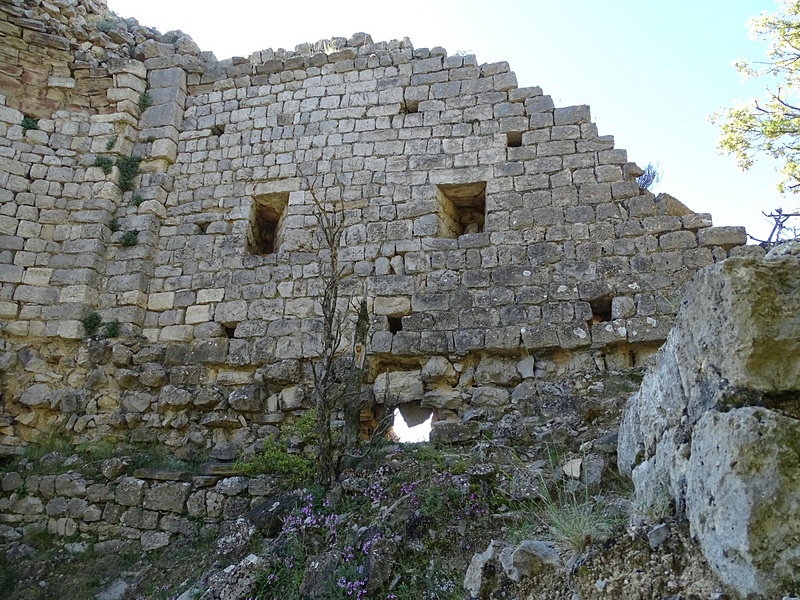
(151, 506)
(487, 228)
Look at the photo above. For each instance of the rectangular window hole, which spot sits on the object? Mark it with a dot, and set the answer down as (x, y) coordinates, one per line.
(395, 324)
(217, 130)
(601, 309)
(266, 217)
(463, 207)
(514, 139)
(230, 331)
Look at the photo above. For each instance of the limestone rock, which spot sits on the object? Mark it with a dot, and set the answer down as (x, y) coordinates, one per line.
(167, 496)
(235, 537)
(398, 387)
(529, 557)
(715, 422)
(743, 498)
(479, 578)
(438, 369)
(268, 516)
(448, 432)
(247, 399)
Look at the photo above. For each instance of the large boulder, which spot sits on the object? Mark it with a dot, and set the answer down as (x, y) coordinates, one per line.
(715, 424)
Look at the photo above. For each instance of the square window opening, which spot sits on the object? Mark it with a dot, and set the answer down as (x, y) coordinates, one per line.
(462, 208)
(601, 309)
(264, 235)
(514, 139)
(395, 324)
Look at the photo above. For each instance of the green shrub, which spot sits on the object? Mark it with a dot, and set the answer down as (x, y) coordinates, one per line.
(104, 163)
(145, 101)
(111, 143)
(274, 458)
(129, 238)
(137, 200)
(128, 170)
(111, 330)
(91, 323)
(114, 225)
(29, 123)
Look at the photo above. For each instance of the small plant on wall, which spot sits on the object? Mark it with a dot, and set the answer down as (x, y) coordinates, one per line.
(29, 123)
(111, 330)
(92, 322)
(128, 170)
(129, 238)
(145, 101)
(105, 163)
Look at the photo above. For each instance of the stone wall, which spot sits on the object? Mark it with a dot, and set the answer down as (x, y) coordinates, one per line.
(153, 506)
(480, 220)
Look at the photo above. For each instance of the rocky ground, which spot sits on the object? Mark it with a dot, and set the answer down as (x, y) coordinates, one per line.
(533, 510)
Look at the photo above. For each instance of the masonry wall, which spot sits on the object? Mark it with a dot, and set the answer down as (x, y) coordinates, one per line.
(489, 230)
(152, 507)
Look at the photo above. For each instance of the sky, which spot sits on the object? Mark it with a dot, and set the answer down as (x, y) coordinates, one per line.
(652, 71)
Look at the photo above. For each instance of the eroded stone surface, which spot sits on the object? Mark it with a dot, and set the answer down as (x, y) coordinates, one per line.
(714, 424)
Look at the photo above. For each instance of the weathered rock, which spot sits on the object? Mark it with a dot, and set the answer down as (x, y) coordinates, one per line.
(438, 369)
(529, 557)
(170, 497)
(247, 399)
(497, 371)
(481, 572)
(113, 467)
(706, 425)
(447, 432)
(153, 540)
(743, 498)
(70, 484)
(268, 516)
(236, 581)
(234, 537)
(442, 397)
(116, 591)
(398, 387)
(130, 491)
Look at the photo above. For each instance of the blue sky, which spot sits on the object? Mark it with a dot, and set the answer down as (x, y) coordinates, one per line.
(651, 71)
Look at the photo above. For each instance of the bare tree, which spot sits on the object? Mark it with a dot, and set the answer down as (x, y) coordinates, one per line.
(783, 229)
(649, 178)
(337, 383)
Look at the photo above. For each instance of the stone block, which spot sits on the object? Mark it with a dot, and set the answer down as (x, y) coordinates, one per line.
(572, 114)
(170, 497)
(249, 398)
(398, 387)
(176, 333)
(153, 540)
(11, 274)
(726, 237)
(70, 485)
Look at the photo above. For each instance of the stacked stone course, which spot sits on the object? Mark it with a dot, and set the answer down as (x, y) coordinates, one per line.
(153, 507)
(488, 228)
